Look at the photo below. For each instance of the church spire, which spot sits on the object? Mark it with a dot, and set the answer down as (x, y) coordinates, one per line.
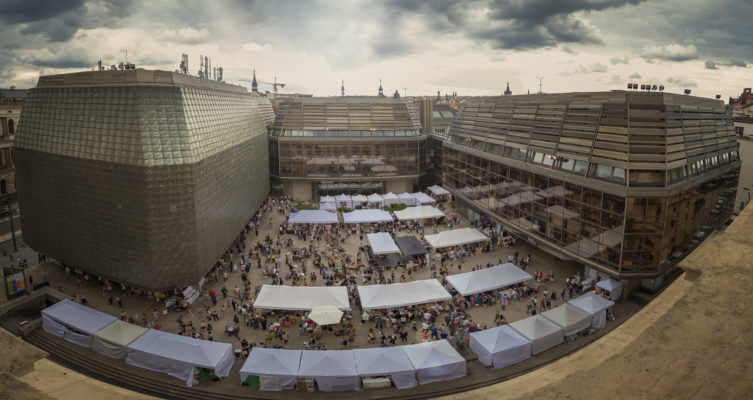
(381, 91)
(254, 85)
(508, 91)
(342, 88)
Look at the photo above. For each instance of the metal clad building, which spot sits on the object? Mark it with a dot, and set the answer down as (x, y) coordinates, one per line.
(143, 177)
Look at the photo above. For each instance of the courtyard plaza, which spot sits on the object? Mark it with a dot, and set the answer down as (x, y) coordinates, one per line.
(146, 311)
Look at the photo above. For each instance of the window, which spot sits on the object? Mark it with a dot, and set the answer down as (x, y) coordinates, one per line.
(580, 167)
(11, 130)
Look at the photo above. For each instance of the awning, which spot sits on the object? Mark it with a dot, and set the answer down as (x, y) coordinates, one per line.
(435, 361)
(344, 200)
(274, 297)
(402, 294)
(334, 370)
(486, 279)
(113, 339)
(542, 333)
(500, 347)
(382, 243)
(455, 237)
(410, 246)
(359, 199)
(313, 217)
(328, 206)
(74, 322)
(419, 213)
(390, 361)
(571, 319)
(367, 216)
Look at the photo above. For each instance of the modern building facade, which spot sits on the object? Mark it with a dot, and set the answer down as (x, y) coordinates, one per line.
(142, 177)
(321, 146)
(623, 182)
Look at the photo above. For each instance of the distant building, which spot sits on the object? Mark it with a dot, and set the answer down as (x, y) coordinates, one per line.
(507, 90)
(11, 105)
(141, 177)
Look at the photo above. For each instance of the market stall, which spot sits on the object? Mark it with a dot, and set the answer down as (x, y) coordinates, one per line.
(333, 370)
(402, 294)
(571, 319)
(389, 361)
(304, 298)
(542, 333)
(455, 237)
(418, 213)
(277, 369)
(367, 216)
(113, 339)
(487, 279)
(500, 346)
(595, 306)
(612, 286)
(74, 322)
(313, 217)
(435, 361)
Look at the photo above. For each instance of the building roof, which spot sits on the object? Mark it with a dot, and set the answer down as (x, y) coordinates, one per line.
(13, 94)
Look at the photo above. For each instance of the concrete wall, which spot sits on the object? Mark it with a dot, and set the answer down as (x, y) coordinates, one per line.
(399, 186)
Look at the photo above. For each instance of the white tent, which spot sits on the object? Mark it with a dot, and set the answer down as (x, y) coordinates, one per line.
(595, 306)
(486, 279)
(113, 339)
(295, 298)
(500, 346)
(333, 370)
(367, 216)
(277, 369)
(612, 286)
(435, 361)
(179, 356)
(328, 206)
(390, 198)
(542, 333)
(571, 319)
(327, 199)
(407, 199)
(390, 361)
(419, 213)
(402, 294)
(455, 237)
(313, 217)
(375, 198)
(344, 200)
(382, 243)
(359, 199)
(74, 322)
(423, 198)
(437, 190)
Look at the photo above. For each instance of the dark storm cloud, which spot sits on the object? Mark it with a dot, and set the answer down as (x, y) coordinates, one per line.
(22, 11)
(64, 61)
(711, 65)
(737, 63)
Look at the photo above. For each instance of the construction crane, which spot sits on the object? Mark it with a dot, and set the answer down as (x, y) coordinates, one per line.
(274, 84)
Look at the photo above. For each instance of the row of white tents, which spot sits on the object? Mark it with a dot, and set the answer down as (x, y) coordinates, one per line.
(367, 216)
(175, 355)
(338, 370)
(346, 200)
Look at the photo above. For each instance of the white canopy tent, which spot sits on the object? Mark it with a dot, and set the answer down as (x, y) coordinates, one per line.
(500, 346)
(327, 199)
(390, 198)
(344, 200)
(313, 217)
(423, 198)
(407, 199)
(435, 361)
(359, 199)
(390, 361)
(277, 369)
(113, 339)
(328, 206)
(74, 322)
(402, 294)
(419, 213)
(437, 190)
(455, 237)
(612, 286)
(486, 279)
(382, 243)
(375, 198)
(542, 333)
(595, 306)
(273, 297)
(571, 319)
(179, 356)
(333, 370)
(367, 216)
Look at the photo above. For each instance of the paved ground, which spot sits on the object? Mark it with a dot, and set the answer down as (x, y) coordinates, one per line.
(483, 315)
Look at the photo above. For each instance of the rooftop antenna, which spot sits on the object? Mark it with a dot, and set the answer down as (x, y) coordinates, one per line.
(540, 78)
(342, 88)
(201, 66)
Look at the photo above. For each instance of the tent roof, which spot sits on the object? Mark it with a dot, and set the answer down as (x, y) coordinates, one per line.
(367, 216)
(438, 190)
(275, 297)
(313, 217)
(402, 294)
(202, 353)
(486, 279)
(382, 243)
(432, 354)
(419, 212)
(554, 191)
(423, 198)
(278, 362)
(410, 245)
(332, 363)
(375, 198)
(499, 338)
(382, 361)
(343, 197)
(455, 237)
(536, 327)
(591, 303)
(390, 196)
(566, 316)
(78, 317)
(120, 333)
(360, 197)
(327, 199)
(609, 284)
(329, 206)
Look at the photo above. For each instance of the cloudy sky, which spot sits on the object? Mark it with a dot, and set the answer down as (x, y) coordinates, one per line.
(472, 47)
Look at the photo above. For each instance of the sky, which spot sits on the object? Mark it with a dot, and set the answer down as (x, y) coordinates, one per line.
(472, 47)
